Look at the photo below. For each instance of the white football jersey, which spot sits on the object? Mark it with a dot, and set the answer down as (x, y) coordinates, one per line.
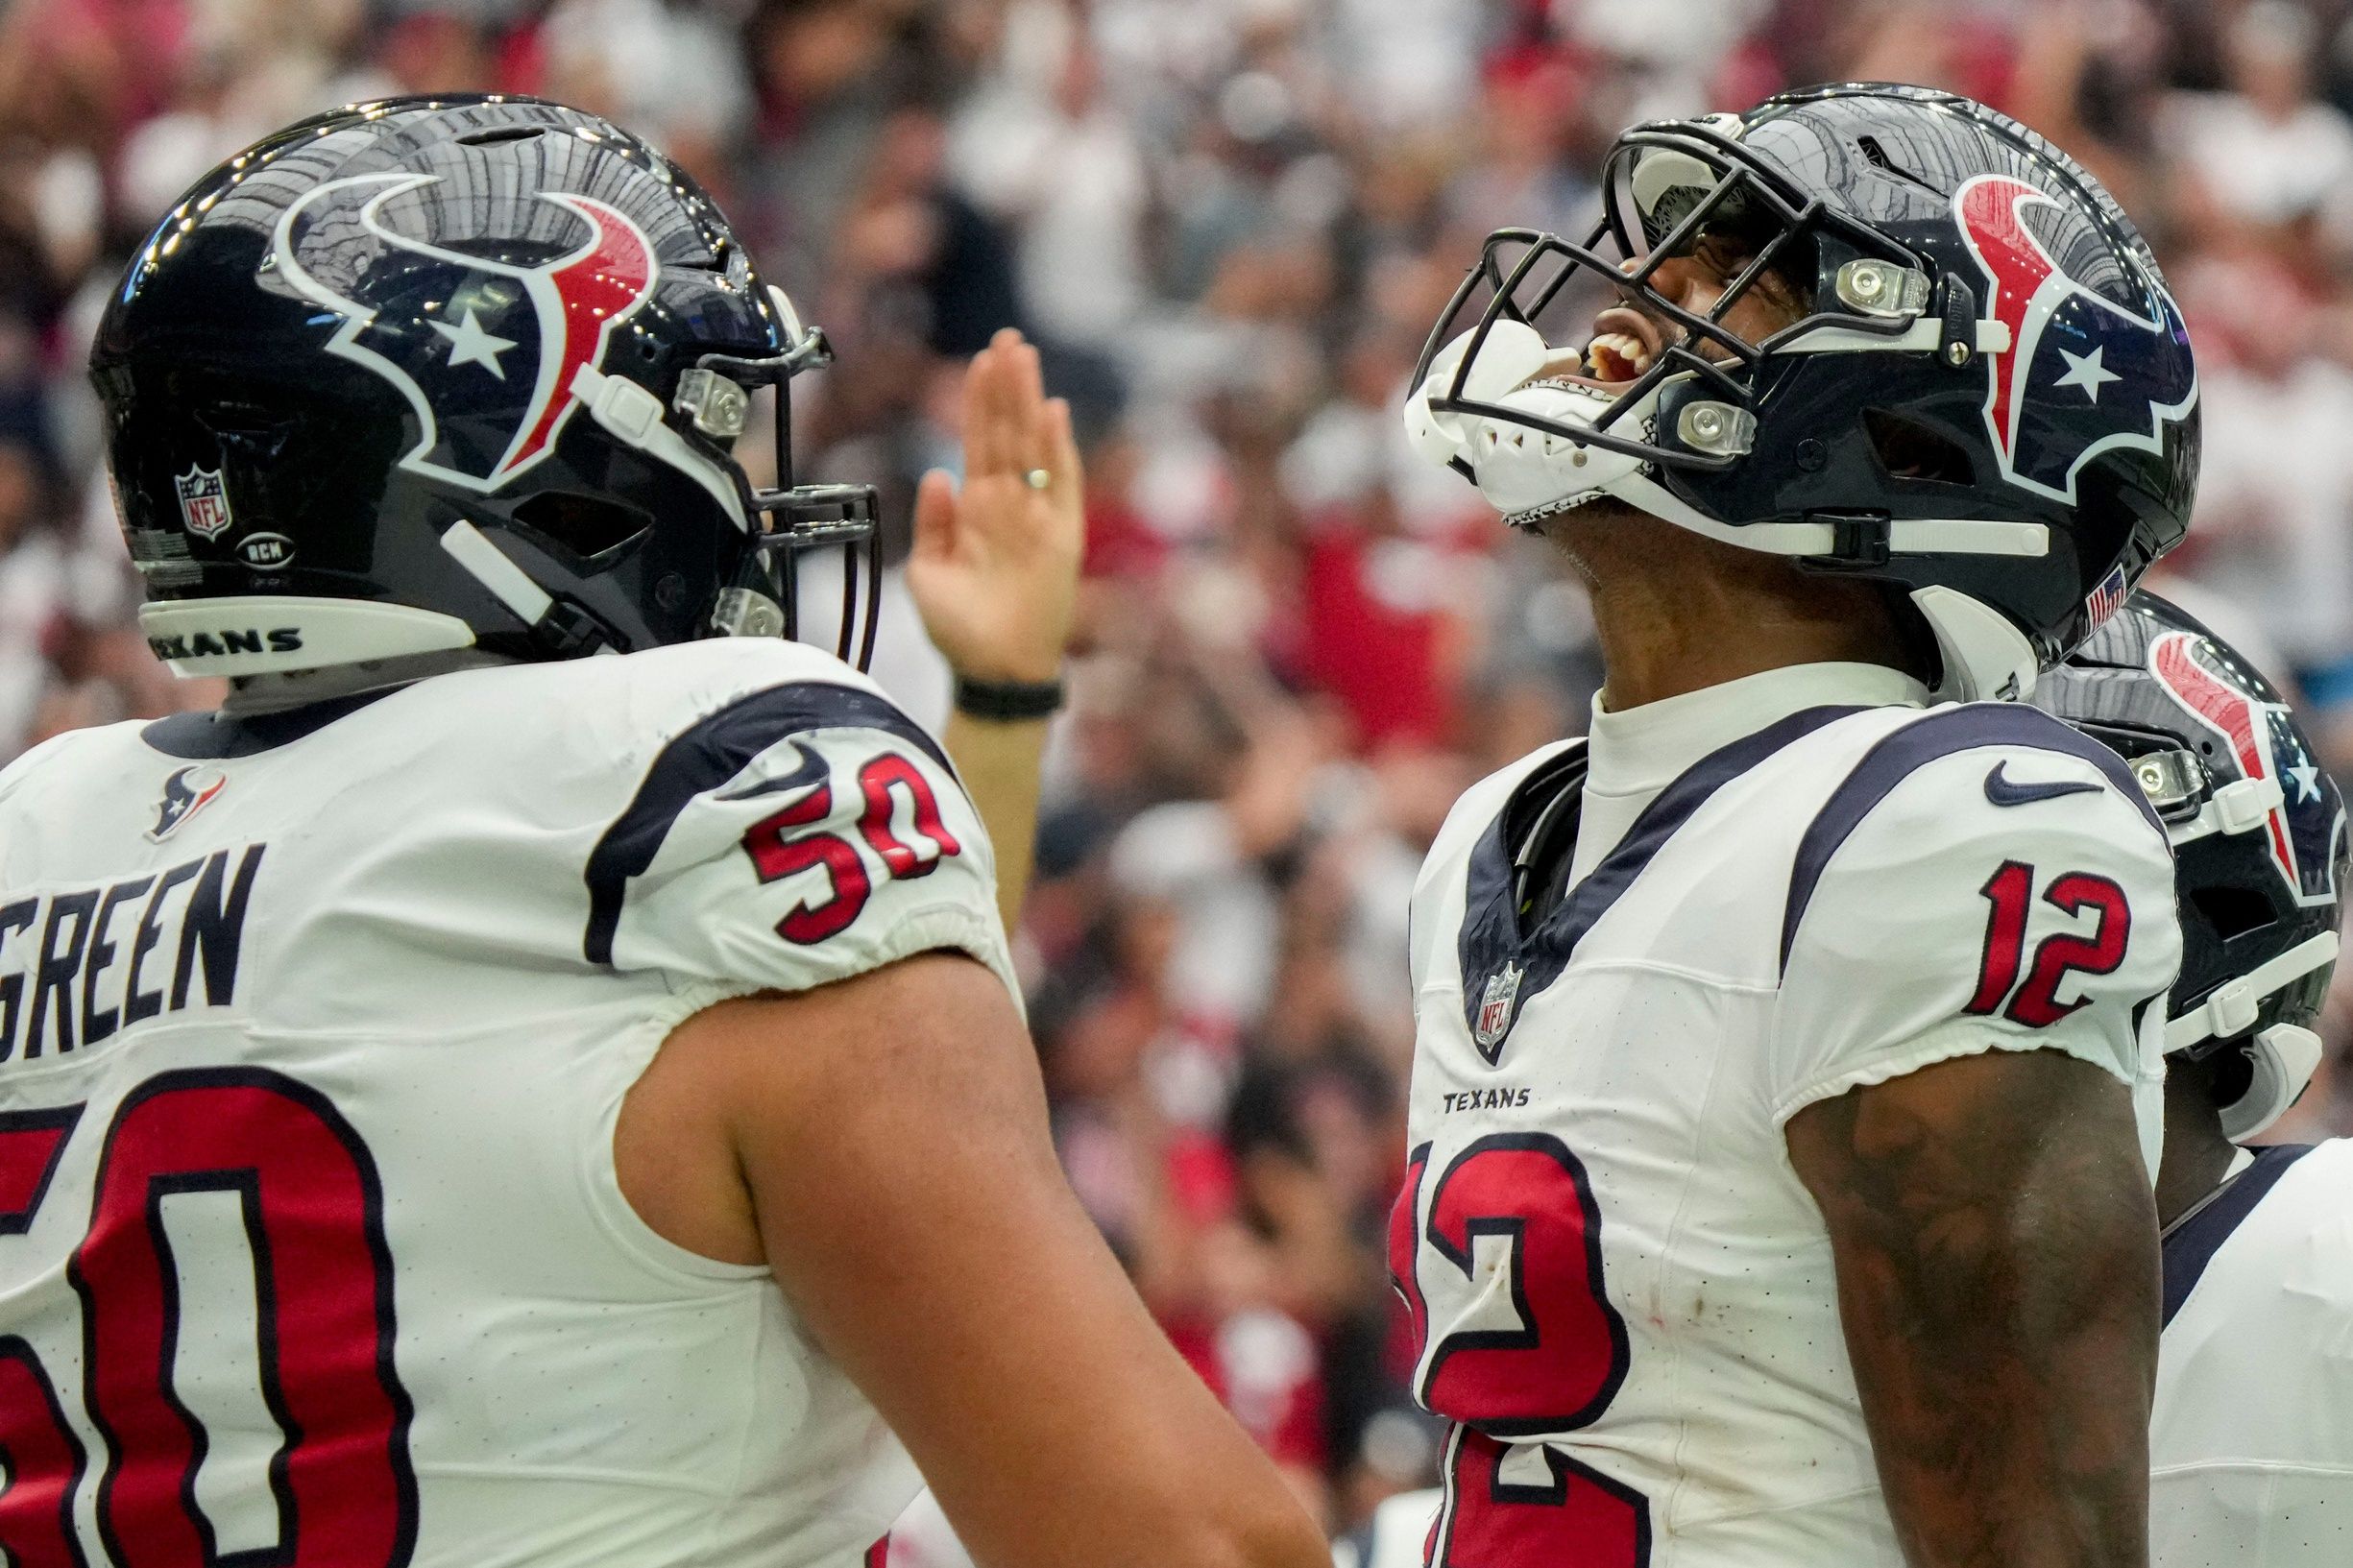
(1623, 1294)
(314, 1030)
(2252, 1433)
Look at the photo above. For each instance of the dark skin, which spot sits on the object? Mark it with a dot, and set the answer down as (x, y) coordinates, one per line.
(1996, 1248)
(2196, 1154)
(1994, 1230)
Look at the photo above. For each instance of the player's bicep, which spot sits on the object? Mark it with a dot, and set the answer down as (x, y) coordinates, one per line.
(893, 1132)
(1996, 1247)
(1942, 924)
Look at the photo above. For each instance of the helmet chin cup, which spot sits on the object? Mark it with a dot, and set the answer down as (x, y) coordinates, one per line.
(2285, 1058)
(1529, 474)
(1526, 472)
(1489, 365)
(1986, 656)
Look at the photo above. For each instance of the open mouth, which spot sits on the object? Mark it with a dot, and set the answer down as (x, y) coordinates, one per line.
(1625, 346)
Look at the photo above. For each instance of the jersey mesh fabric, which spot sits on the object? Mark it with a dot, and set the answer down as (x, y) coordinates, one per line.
(1610, 1179)
(419, 958)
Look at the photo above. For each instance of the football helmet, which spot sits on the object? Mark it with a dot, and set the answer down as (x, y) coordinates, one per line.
(455, 373)
(1988, 398)
(2259, 840)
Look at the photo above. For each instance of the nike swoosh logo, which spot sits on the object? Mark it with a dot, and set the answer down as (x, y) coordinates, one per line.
(2002, 792)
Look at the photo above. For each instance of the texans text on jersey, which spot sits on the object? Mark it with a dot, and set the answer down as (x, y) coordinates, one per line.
(79, 965)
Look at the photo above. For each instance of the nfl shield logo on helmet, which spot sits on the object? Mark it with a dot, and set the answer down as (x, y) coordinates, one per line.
(1499, 1006)
(204, 503)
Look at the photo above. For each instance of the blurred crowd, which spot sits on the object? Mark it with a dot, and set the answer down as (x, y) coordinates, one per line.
(1230, 222)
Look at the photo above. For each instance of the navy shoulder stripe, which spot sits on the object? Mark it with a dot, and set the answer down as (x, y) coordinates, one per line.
(1900, 755)
(2191, 1249)
(705, 757)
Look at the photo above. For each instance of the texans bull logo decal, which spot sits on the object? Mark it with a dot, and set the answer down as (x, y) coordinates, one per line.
(2132, 373)
(2302, 833)
(186, 793)
(485, 352)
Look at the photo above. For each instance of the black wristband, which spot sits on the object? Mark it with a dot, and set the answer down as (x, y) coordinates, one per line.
(1008, 701)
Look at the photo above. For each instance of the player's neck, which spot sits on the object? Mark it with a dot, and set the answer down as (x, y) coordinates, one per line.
(1676, 613)
(2198, 1157)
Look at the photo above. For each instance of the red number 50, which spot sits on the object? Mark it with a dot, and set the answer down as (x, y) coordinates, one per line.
(779, 850)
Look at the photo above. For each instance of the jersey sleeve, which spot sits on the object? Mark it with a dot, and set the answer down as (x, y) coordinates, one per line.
(2008, 898)
(796, 835)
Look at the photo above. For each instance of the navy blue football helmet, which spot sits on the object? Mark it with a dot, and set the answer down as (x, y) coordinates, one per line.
(2259, 842)
(1988, 398)
(449, 374)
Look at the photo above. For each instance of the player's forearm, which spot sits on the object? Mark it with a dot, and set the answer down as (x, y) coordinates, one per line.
(1997, 1254)
(1000, 762)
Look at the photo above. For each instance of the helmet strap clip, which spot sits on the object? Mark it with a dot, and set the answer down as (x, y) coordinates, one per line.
(1958, 347)
(2231, 1010)
(568, 630)
(2241, 806)
(1863, 541)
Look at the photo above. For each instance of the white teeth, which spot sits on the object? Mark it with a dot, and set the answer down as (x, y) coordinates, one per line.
(1632, 355)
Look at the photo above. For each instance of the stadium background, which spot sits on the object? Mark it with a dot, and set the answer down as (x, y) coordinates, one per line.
(1230, 222)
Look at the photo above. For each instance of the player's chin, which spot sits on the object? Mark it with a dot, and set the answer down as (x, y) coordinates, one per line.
(1585, 516)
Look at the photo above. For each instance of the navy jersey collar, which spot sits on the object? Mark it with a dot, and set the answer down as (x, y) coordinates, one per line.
(1504, 961)
(223, 737)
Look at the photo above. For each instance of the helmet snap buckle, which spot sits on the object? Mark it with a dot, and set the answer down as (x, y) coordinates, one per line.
(1883, 288)
(2174, 781)
(1864, 540)
(717, 406)
(1718, 429)
(741, 611)
(566, 631)
(2246, 805)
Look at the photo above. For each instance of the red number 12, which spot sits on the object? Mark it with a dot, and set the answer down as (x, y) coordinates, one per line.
(2035, 1004)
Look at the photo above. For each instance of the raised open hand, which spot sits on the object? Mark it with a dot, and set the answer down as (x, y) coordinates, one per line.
(995, 569)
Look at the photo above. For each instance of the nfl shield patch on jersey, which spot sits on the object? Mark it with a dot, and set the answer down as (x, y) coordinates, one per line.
(1498, 1005)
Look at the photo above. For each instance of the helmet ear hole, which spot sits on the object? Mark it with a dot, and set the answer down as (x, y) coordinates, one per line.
(1908, 449)
(2232, 911)
(589, 526)
(2229, 1075)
